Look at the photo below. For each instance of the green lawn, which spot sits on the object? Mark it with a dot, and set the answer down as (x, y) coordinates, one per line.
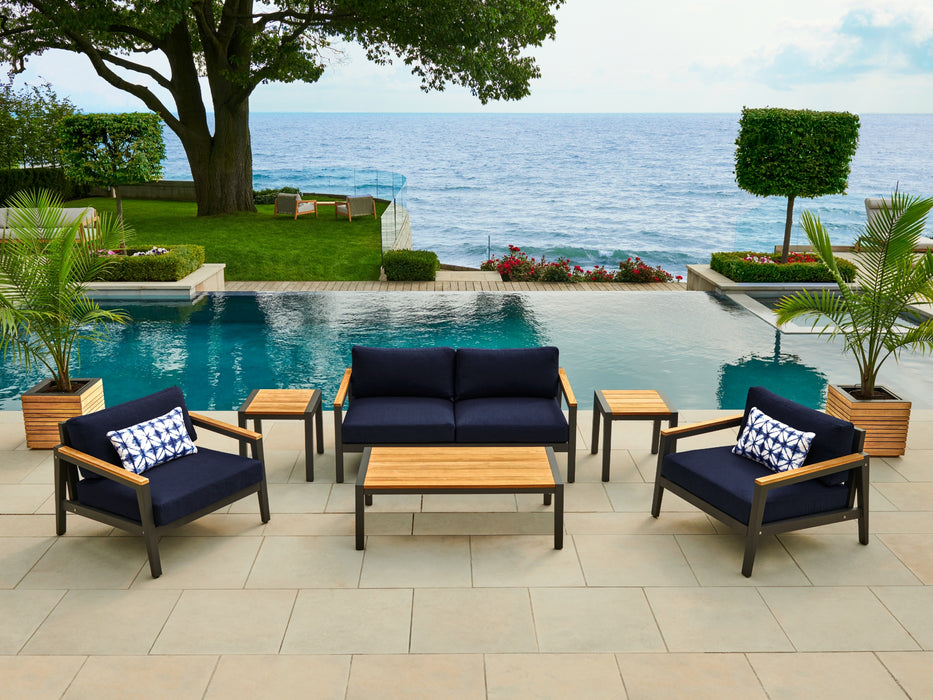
(258, 246)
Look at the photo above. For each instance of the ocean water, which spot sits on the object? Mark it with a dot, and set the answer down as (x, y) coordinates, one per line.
(595, 188)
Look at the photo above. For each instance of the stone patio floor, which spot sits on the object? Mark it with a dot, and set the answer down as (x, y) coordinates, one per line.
(464, 596)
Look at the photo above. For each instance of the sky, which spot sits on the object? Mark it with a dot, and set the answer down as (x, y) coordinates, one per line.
(626, 56)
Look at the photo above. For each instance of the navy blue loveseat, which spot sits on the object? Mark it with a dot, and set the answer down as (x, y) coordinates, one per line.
(441, 396)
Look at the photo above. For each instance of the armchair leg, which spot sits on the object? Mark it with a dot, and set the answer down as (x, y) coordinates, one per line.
(60, 525)
(863, 505)
(264, 502)
(753, 533)
(152, 549)
(751, 547)
(656, 501)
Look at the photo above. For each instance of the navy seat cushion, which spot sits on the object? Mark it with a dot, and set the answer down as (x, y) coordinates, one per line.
(179, 487)
(483, 372)
(833, 439)
(88, 433)
(427, 372)
(727, 481)
(511, 419)
(398, 419)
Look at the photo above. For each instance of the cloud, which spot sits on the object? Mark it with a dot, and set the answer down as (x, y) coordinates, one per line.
(861, 43)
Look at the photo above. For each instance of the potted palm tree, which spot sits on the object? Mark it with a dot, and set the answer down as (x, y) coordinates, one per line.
(869, 313)
(46, 263)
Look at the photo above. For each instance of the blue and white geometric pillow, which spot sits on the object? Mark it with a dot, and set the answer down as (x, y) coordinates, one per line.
(155, 441)
(772, 443)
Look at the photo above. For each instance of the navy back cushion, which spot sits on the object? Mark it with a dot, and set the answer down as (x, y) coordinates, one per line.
(834, 437)
(486, 373)
(425, 372)
(89, 433)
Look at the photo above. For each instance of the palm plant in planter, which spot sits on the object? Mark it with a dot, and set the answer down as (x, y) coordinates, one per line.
(868, 314)
(45, 311)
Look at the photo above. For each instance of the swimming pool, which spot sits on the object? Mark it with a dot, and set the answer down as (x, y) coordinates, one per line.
(701, 350)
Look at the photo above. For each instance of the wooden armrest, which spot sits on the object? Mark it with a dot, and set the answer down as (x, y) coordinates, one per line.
(708, 426)
(811, 471)
(342, 390)
(568, 392)
(219, 426)
(99, 466)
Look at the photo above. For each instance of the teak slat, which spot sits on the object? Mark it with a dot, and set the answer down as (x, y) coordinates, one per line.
(635, 402)
(285, 401)
(458, 468)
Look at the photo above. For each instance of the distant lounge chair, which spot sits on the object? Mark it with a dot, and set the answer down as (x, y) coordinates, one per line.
(293, 205)
(356, 206)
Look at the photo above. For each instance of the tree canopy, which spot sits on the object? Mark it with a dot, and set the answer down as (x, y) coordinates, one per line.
(794, 153)
(240, 44)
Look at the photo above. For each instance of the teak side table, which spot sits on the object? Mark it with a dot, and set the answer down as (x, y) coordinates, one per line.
(287, 404)
(629, 404)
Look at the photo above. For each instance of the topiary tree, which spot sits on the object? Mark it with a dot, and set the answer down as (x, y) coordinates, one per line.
(108, 150)
(794, 153)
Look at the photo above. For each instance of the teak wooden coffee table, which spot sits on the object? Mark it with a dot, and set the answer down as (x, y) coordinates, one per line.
(628, 404)
(287, 404)
(456, 469)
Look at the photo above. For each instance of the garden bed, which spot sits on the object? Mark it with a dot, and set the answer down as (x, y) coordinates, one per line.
(153, 263)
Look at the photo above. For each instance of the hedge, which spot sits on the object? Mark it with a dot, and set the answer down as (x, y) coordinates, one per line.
(733, 266)
(180, 261)
(17, 179)
(410, 265)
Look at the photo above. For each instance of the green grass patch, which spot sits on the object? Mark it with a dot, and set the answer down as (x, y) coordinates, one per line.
(258, 246)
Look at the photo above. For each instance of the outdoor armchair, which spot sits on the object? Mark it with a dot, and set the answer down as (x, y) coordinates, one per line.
(91, 479)
(356, 206)
(830, 486)
(293, 205)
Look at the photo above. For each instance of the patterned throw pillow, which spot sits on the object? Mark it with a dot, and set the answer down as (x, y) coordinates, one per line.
(772, 443)
(155, 441)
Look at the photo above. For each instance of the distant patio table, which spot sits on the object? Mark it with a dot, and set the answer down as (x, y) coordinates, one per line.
(459, 469)
(628, 404)
(287, 404)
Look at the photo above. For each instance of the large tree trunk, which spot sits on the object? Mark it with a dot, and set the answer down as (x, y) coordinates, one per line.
(788, 224)
(222, 165)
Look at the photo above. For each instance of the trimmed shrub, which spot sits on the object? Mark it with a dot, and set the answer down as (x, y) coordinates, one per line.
(53, 179)
(748, 266)
(180, 261)
(267, 196)
(410, 265)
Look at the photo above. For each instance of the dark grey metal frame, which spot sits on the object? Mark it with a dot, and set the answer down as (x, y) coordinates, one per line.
(313, 415)
(66, 478)
(569, 447)
(857, 464)
(364, 496)
(601, 409)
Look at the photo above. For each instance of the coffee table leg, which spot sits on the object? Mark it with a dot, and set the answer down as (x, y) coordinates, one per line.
(594, 443)
(309, 447)
(360, 508)
(559, 516)
(607, 446)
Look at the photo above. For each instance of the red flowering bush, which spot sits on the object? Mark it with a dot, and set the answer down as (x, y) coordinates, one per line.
(518, 267)
(638, 271)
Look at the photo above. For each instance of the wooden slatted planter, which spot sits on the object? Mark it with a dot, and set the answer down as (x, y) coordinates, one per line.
(885, 420)
(43, 410)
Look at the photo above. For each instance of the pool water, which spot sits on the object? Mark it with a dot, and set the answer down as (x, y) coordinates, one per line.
(701, 350)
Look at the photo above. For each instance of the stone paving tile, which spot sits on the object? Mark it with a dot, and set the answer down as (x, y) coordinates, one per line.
(22, 612)
(18, 555)
(270, 676)
(202, 562)
(836, 618)
(417, 677)
(472, 620)
(915, 551)
(156, 677)
(306, 562)
(716, 620)
(694, 676)
(911, 669)
(716, 560)
(594, 620)
(840, 560)
(357, 621)
(633, 560)
(557, 676)
(414, 560)
(814, 675)
(103, 623)
(38, 677)
(524, 561)
(88, 562)
(913, 608)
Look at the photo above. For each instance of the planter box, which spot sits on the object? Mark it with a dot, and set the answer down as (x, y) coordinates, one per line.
(43, 410)
(885, 421)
